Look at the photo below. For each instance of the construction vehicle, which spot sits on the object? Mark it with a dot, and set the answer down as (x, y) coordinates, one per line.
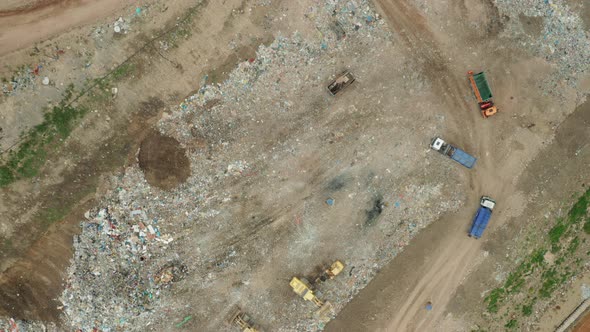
(342, 81)
(482, 217)
(458, 155)
(483, 93)
(302, 288)
(243, 321)
(330, 272)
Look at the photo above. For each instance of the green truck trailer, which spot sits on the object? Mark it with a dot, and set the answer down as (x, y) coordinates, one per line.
(483, 93)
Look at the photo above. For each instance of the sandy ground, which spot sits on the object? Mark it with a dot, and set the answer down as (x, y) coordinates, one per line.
(44, 19)
(435, 265)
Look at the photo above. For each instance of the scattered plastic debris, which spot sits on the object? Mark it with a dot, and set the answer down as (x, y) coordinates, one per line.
(184, 321)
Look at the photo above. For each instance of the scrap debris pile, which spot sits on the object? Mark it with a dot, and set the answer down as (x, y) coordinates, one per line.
(124, 259)
(564, 39)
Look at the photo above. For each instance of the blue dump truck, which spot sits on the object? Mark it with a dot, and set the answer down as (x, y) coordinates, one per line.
(458, 155)
(482, 217)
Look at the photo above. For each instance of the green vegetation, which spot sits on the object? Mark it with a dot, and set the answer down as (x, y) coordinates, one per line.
(556, 232)
(511, 324)
(6, 176)
(574, 244)
(527, 310)
(27, 159)
(550, 282)
(579, 209)
(30, 155)
(515, 280)
(494, 298)
(122, 71)
(540, 277)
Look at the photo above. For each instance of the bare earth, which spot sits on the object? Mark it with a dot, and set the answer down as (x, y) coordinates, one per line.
(44, 19)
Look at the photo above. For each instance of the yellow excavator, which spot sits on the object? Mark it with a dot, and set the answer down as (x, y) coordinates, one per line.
(303, 288)
(330, 272)
(243, 321)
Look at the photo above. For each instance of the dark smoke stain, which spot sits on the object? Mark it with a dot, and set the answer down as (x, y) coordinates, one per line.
(377, 206)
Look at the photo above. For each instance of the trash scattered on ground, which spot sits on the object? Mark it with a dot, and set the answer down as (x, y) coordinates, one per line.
(130, 269)
(121, 26)
(22, 79)
(563, 40)
(13, 325)
(143, 251)
(585, 289)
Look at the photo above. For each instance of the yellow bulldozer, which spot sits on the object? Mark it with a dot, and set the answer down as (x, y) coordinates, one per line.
(303, 288)
(243, 321)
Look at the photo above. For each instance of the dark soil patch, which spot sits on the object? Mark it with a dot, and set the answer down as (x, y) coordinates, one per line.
(163, 161)
(533, 26)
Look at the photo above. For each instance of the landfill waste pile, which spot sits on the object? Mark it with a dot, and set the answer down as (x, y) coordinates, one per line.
(563, 39)
(23, 78)
(13, 325)
(149, 259)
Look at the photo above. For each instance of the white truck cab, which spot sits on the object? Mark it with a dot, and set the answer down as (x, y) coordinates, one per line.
(487, 202)
(437, 143)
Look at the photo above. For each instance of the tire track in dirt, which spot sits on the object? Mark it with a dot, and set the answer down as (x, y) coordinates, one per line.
(411, 27)
(437, 260)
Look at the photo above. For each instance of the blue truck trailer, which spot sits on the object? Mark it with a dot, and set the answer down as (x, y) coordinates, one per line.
(458, 155)
(482, 217)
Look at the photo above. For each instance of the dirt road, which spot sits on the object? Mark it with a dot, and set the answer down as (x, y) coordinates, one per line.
(439, 259)
(22, 27)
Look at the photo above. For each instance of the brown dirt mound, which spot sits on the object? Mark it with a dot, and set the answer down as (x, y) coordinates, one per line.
(163, 161)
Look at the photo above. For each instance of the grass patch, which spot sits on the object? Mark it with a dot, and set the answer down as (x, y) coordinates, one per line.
(574, 244)
(580, 208)
(542, 278)
(494, 298)
(550, 282)
(527, 310)
(512, 324)
(6, 176)
(556, 232)
(122, 71)
(27, 160)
